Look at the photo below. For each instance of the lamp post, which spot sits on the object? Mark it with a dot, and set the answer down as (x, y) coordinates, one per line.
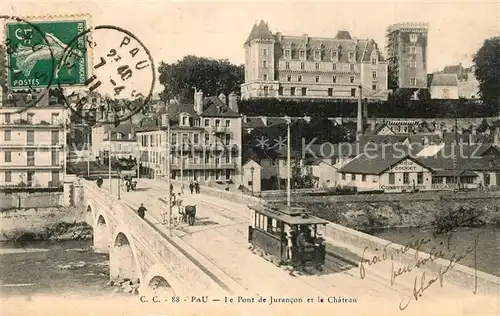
(252, 170)
(119, 182)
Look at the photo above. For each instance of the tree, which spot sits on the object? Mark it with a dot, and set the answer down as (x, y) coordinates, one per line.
(487, 62)
(209, 75)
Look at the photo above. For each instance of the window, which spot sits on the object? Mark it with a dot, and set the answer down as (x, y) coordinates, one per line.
(374, 61)
(304, 91)
(289, 78)
(264, 77)
(353, 177)
(486, 179)
(413, 38)
(292, 91)
(30, 137)
(374, 86)
(316, 78)
(413, 50)
(334, 67)
(351, 56)
(264, 52)
(330, 92)
(207, 122)
(8, 176)
(264, 64)
(8, 156)
(119, 135)
(392, 179)
(351, 79)
(413, 63)
(287, 53)
(174, 139)
(280, 91)
(54, 118)
(374, 75)
(55, 178)
(55, 138)
(7, 118)
(406, 178)
(413, 82)
(55, 157)
(334, 79)
(302, 66)
(317, 54)
(30, 161)
(217, 122)
(228, 123)
(7, 136)
(228, 174)
(302, 54)
(343, 176)
(196, 139)
(299, 78)
(334, 56)
(351, 67)
(363, 177)
(420, 178)
(287, 65)
(317, 66)
(266, 90)
(30, 117)
(353, 92)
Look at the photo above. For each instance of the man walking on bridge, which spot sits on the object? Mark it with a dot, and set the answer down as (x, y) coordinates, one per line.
(141, 211)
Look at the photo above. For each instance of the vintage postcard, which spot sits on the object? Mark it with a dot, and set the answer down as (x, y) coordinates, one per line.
(250, 158)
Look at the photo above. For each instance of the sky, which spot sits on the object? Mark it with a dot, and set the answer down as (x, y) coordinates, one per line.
(173, 29)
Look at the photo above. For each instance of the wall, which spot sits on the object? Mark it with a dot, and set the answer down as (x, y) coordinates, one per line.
(438, 92)
(27, 200)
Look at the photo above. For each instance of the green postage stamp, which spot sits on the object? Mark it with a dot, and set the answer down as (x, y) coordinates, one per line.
(38, 54)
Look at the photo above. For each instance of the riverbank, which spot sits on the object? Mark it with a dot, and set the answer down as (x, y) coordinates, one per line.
(52, 223)
(369, 217)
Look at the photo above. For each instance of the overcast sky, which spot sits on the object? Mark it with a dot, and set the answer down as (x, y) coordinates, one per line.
(218, 29)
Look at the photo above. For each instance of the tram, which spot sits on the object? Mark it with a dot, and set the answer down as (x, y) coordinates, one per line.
(287, 236)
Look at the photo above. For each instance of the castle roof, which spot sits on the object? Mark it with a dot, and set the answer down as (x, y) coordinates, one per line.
(260, 31)
(343, 35)
(443, 80)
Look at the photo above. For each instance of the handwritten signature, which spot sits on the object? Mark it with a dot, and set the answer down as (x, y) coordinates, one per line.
(425, 284)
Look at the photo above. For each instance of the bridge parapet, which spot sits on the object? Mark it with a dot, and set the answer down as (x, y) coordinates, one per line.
(151, 247)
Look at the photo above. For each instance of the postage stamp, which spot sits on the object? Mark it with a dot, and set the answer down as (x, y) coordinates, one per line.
(33, 54)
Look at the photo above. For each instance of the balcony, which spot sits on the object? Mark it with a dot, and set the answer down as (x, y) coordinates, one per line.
(220, 129)
(31, 146)
(27, 124)
(203, 166)
(26, 167)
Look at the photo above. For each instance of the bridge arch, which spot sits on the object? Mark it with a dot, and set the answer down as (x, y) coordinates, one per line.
(159, 281)
(89, 214)
(102, 235)
(123, 261)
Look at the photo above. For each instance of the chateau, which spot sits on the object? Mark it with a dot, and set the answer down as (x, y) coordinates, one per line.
(303, 67)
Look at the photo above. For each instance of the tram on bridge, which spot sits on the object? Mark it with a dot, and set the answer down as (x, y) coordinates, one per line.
(287, 236)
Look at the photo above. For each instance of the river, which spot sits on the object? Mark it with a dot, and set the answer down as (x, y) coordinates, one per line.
(488, 248)
(53, 268)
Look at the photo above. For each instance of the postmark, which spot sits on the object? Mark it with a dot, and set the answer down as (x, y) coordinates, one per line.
(123, 73)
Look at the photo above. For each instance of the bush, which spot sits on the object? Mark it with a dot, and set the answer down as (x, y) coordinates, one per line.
(451, 217)
(342, 190)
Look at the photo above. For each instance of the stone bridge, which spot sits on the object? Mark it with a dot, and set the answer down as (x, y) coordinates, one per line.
(141, 252)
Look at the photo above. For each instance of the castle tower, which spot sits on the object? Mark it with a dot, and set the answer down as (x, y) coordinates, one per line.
(259, 61)
(407, 55)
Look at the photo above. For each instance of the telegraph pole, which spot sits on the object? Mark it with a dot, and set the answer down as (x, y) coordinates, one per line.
(289, 148)
(169, 200)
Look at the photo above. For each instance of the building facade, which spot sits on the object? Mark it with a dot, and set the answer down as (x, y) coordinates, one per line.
(443, 86)
(304, 67)
(123, 142)
(205, 141)
(33, 141)
(407, 55)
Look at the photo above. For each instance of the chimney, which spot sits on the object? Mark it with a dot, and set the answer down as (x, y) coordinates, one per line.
(198, 104)
(223, 98)
(233, 102)
(164, 120)
(359, 129)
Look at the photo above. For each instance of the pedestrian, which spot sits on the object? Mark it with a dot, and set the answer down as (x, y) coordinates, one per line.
(171, 188)
(197, 187)
(191, 187)
(141, 211)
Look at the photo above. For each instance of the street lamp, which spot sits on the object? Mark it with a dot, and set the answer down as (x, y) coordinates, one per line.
(252, 169)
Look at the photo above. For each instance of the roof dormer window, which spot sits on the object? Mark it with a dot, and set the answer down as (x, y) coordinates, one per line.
(29, 97)
(302, 54)
(10, 97)
(287, 53)
(317, 54)
(351, 56)
(184, 120)
(413, 38)
(374, 58)
(118, 136)
(335, 56)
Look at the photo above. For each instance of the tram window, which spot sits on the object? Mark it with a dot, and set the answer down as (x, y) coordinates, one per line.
(270, 224)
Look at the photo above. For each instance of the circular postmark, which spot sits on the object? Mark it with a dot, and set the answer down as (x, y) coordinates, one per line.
(121, 80)
(30, 63)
